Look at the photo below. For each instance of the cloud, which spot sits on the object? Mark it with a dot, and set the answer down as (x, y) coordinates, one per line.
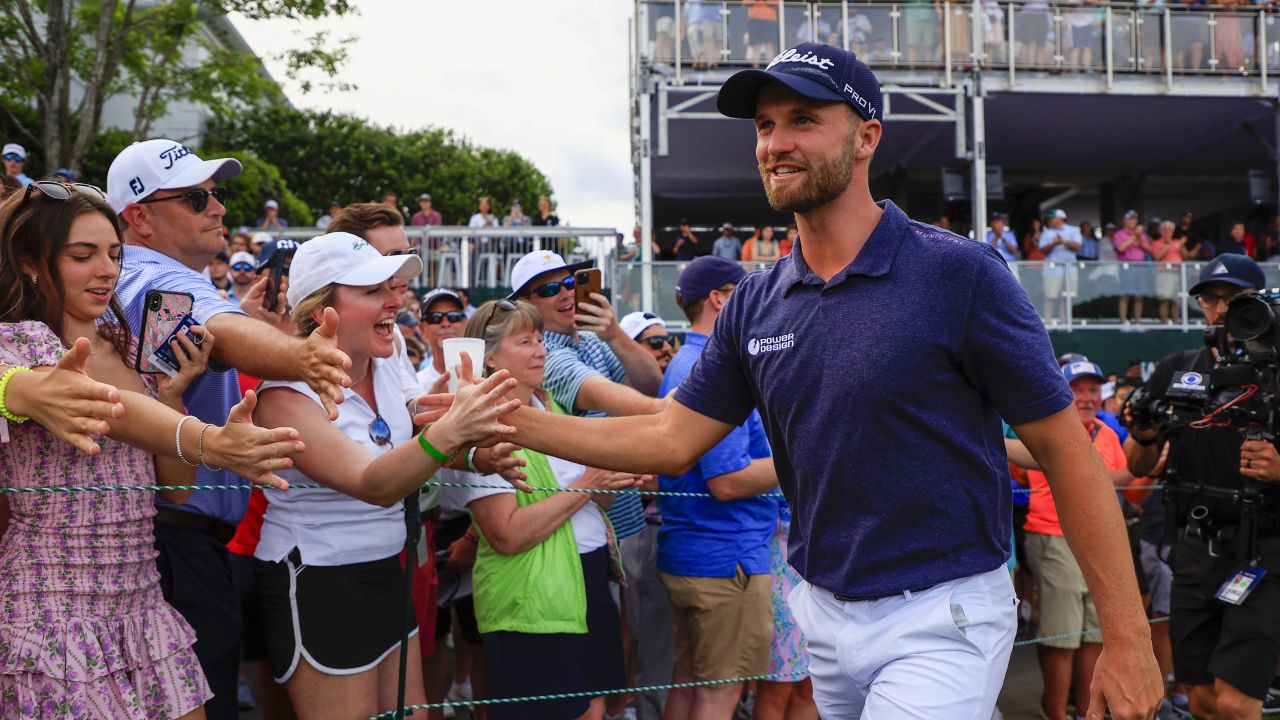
(546, 79)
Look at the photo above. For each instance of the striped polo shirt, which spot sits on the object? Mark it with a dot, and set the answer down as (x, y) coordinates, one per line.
(569, 364)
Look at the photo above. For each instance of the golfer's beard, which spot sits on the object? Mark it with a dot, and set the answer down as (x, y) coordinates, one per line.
(824, 180)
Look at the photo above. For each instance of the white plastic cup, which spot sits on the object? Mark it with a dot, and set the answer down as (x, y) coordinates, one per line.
(453, 350)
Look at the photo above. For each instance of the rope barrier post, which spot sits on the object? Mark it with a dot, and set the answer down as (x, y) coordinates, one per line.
(412, 528)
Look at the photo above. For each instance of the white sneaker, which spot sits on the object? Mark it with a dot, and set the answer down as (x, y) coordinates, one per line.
(460, 692)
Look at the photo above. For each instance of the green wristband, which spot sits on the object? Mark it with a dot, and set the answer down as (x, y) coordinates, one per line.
(431, 450)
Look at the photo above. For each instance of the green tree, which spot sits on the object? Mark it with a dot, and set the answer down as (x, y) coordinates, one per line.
(259, 182)
(325, 155)
(108, 47)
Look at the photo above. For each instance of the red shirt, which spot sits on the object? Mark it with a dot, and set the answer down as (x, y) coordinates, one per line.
(1042, 516)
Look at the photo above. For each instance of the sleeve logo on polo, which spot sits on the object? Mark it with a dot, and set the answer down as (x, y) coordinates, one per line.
(755, 346)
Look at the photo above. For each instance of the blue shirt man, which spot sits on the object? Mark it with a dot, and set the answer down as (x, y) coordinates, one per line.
(1002, 238)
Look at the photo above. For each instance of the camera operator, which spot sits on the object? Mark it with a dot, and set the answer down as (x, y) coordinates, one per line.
(1227, 653)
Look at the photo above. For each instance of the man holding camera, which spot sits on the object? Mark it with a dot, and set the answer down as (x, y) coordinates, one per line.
(1225, 605)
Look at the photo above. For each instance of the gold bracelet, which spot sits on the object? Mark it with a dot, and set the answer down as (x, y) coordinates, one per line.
(200, 450)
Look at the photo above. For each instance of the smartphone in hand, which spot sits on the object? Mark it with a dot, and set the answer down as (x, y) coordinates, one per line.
(165, 314)
(585, 282)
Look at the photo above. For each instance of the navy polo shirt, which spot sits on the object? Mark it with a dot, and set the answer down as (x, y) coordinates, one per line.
(882, 392)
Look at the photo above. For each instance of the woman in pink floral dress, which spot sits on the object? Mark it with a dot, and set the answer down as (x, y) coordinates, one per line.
(84, 629)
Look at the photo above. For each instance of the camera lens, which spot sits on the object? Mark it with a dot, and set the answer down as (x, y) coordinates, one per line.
(1248, 318)
(153, 302)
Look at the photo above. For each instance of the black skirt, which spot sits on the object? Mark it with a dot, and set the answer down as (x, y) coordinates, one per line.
(522, 664)
(343, 619)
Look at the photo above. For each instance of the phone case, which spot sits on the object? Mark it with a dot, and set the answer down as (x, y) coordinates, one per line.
(159, 322)
(582, 292)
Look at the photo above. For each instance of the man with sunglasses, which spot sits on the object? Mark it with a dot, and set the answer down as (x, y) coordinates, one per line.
(650, 332)
(1226, 653)
(443, 316)
(243, 273)
(15, 159)
(172, 210)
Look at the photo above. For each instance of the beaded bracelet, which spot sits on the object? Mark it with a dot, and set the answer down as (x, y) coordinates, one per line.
(200, 450)
(4, 387)
(177, 439)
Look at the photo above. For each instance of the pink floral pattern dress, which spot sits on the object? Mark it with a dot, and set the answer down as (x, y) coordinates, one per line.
(84, 629)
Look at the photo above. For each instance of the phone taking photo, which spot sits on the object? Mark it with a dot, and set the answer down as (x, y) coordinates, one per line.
(165, 315)
(277, 268)
(585, 282)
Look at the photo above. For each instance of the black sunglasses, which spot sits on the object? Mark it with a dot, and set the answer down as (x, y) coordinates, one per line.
(435, 318)
(199, 199)
(380, 432)
(504, 305)
(657, 341)
(552, 289)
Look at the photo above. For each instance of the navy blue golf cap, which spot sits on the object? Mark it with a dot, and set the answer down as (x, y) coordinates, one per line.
(271, 247)
(704, 274)
(814, 70)
(1233, 269)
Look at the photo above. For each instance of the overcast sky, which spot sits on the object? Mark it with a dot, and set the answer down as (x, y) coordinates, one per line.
(547, 79)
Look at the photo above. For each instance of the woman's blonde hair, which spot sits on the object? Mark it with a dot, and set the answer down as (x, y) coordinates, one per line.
(303, 323)
(493, 322)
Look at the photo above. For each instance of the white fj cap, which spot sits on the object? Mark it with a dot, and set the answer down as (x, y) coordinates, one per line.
(145, 167)
(536, 263)
(343, 259)
(637, 322)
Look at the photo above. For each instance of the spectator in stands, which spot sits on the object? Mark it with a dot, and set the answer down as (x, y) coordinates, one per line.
(687, 245)
(1060, 242)
(335, 208)
(924, 39)
(1002, 238)
(1132, 245)
(713, 553)
(14, 157)
(426, 215)
(242, 270)
(629, 250)
(1031, 241)
(516, 217)
(546, 215)
(483, 217)
(761, 247)
(1107, 243)
(651, 332)
(168, 198)
(218, 275)
(1066, 605)
(788, 242)
(541, 577)
(1239, 242)
(1088, 242)
(271, 220)
(257, 241)
(1166, 250)
(762, 31)
(348, 533)
(85, 628)
(407, 324)
(62, 175)
(1032, 29)
(442, 317)
(727, 245)
(410, 302)
(1083, 23)
(704, 31)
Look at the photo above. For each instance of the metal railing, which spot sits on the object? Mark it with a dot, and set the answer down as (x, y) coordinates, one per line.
(1110, 39)
(483, 257)
(1068, 296)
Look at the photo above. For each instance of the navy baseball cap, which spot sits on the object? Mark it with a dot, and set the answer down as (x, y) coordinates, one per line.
(814, 70)
(707, 273)
(1083, 368)
(1232, 269)
(270, 248)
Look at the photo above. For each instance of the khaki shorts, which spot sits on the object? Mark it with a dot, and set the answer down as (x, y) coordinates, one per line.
(1065, 603)
(722, 627)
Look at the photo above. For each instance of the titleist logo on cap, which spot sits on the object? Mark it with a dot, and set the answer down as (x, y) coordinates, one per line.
(174, 154)
(791, 56)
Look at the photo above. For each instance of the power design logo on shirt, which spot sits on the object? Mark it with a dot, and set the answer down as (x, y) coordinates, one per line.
(755, 346)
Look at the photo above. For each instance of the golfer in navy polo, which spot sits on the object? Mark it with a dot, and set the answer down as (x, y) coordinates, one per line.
(882, 355)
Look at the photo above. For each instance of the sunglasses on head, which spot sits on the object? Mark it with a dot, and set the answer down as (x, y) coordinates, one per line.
(504, 305)
(551, 289)
(242, 267)
(58, 191)
(14, 157)
(380, 432)
(435, 318)
(199, 199)
(657, 341)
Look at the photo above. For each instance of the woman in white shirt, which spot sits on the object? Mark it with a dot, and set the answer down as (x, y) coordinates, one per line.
(329, 578)
(541, 578)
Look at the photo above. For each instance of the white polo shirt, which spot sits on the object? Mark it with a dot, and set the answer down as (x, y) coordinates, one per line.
(328, 527)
